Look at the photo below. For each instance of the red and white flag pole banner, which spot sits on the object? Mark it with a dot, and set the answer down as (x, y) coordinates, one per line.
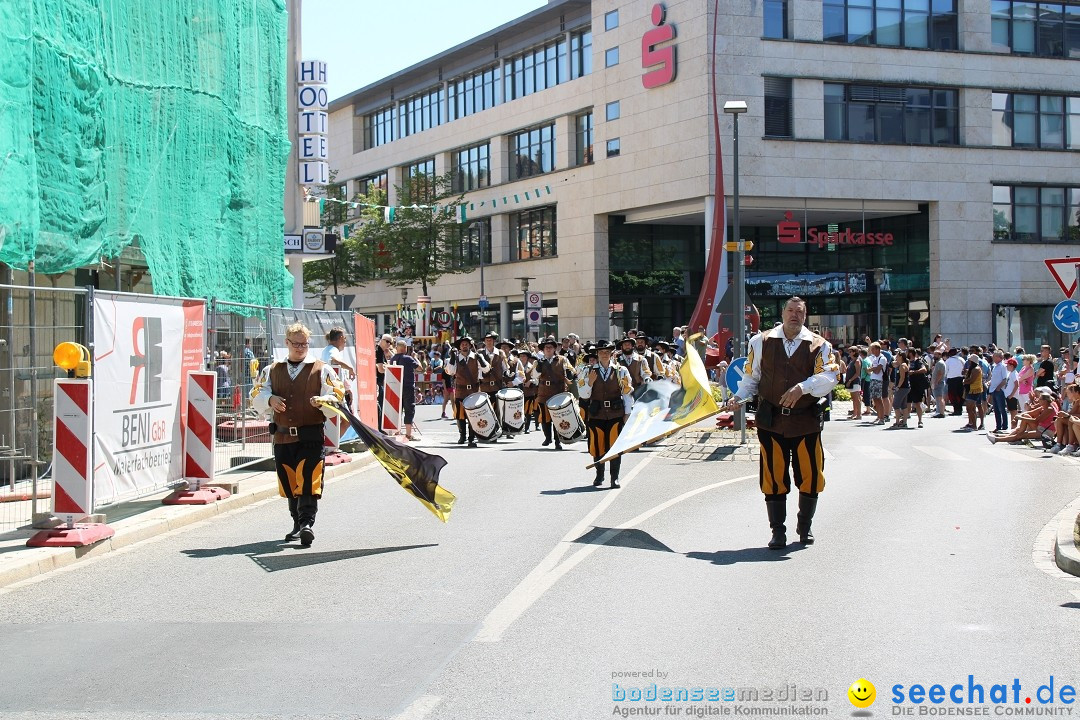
(199, 438)
(393, 386)
(332, 454)
(73, 486)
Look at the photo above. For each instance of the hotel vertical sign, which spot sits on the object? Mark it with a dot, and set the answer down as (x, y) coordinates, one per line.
(658, 62)
(313, 125)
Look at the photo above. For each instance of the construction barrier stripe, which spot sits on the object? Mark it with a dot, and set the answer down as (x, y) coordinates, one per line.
(73, 489)
(392, 388)
(199, 435)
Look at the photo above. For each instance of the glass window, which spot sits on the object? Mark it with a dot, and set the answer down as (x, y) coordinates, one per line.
(891, 114)
(1052, 213)
(611, 111)
(1051, 121)
(371, 183)
(472, 93)
(1001, 25)
(1003, 224)
(378, 127)
(581, 53)
(1044, 121)
(1073, 216)
(533, 151)
(420, 112)
(532, 234)
(611, 20)
(611, 57)
(1071, 46)
(1072, 126)
(1037, 214)
(583, 139)
(472, 242)
(470, 167)
(535, 70)
(613, 147)
(778, 107)
(1002, 119)
(774, 14)
(1050, 31)
(906, 23)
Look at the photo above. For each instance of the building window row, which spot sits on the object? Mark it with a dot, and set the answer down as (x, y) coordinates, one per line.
(891, 114)
(1036, 28)
(371, 183)
(420, 112)
(471, 242)
(532, 234)
(1036, 121)
(583, 139)
(1035, 214)
(471, 168)
(379, 127)
(535, 70)
(472, 93)
(581, 53)
(419, 181)
(900, 23)
(532, 151)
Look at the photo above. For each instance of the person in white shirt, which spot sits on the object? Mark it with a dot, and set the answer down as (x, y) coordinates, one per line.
(879, 365)
(954, 379)
(788, 369)
(607, 393)
(999, 378)
(1012, 384)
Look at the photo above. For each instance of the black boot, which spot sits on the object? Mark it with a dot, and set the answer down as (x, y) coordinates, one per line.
(296, 524)
(461, 432)
(616, 465)
(776, 505)
(807, 506)
(295, 534)
(599, 476)
(546, 427)
(307, 535)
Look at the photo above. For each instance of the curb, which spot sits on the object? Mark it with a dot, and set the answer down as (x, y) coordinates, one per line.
(1066, 553)
(32, 562)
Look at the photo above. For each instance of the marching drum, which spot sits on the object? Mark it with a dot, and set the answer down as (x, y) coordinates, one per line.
(482, 417)
(512, 407)
(566, 418)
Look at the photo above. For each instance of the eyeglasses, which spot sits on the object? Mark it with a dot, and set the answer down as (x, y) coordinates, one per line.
(296, 344)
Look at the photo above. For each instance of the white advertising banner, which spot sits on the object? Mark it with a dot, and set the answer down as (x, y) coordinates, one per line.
(144, 346)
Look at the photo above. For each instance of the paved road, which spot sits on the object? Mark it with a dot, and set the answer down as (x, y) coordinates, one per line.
(542, 592)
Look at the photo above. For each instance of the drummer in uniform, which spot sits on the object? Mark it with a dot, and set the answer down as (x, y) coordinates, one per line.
(634, 363)
(467, 368)
(608, 392)
(529, 387)
(513, 375)
(550, 373)
(588, 359)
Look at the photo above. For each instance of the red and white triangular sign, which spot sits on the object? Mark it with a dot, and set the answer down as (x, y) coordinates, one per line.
(1068, 265)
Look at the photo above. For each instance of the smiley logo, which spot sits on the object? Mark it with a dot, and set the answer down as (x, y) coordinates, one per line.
(862, 693)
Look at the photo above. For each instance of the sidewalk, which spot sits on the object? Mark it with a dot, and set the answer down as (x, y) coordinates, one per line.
(146, 517)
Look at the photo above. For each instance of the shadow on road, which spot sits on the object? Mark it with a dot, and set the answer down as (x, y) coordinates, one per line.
(1075, 605)
(575, 489)
(265, 554)
(630, 538)
(754, 554)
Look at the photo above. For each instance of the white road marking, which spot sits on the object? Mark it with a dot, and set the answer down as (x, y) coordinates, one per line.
(940, 453)
(550, 569)
(828, 455)
(1012, 456)
(420, 708)
(877, 453)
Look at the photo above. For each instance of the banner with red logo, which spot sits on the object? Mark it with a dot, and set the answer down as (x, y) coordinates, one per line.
(144, 347)
(367, 393)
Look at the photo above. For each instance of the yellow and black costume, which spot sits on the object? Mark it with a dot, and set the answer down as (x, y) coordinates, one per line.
(790, 437)
(467, 368)
(551, 374)
(298, 433)
(607, 392)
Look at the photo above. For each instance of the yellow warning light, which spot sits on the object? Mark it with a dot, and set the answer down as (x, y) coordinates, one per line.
(73, 357)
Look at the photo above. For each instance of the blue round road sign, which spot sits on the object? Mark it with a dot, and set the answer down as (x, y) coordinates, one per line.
(735, 373)
(1067, 316)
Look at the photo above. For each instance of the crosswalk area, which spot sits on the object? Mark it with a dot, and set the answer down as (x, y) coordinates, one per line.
(961, 451)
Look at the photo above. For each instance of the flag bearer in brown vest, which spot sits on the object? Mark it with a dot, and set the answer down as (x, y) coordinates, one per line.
(551, 374)
(289, 389)
(788, 369)
(467, 368)
(608, 393)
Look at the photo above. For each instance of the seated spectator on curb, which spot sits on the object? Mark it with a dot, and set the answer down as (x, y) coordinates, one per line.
(1065, 439)
(1034, 422)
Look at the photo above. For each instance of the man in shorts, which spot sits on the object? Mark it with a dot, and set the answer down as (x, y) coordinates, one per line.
(879, 365)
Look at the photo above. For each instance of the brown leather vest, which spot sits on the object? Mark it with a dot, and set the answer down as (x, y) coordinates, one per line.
(636, 376)
(297, 395)
(606, 401)
(528, 388)
(779, 373)
(465, 379)
(493, 380)
(552, 378)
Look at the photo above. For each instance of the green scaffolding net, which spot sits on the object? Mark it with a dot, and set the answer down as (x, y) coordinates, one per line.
(157, 123)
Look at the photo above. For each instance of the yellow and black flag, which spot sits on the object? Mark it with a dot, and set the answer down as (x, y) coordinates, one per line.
(415, 470)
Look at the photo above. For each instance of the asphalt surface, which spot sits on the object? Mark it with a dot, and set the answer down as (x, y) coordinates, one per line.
(541, 593)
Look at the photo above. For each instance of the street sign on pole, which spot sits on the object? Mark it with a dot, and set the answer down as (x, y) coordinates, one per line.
(735, 372)
(483, 302)
(534, 300)
(1058, 268)
(1067, 316)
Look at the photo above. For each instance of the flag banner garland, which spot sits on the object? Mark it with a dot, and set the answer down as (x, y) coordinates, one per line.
(462, 210)
(665, 408)
(416, 471)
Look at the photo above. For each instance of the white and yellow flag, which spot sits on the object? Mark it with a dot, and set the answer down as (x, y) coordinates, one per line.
(665, 408)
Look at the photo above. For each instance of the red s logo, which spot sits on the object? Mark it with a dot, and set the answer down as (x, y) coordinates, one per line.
(788, 231)
(650, 56)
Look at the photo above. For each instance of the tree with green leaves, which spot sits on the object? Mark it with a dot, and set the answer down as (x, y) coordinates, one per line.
(352, 264)
(423, 239)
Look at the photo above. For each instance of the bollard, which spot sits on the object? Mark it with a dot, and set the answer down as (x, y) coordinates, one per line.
(199, 438)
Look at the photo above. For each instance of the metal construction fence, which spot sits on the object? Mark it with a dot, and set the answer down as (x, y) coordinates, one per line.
(33, 320)
(240, 340)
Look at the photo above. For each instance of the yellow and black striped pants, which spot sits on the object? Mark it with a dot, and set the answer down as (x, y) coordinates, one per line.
(803, 454)
(602, 435)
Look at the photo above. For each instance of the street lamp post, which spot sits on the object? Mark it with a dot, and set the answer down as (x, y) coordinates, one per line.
(879, 279)
(736, 108)
(480, 233)
(525, 306)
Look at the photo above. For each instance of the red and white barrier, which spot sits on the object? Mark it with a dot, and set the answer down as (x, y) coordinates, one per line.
(73, 480)
(393, 386)
(199, 439)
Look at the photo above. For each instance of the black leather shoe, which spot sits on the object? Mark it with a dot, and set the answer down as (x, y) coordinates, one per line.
(777, 510)
(615, 484)
(807, 507)
(461, 440)
(472, 443)
(307, 535)
(558, 446)
(295, 534)
(598, 482)
(545, 443)
(778, 541)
